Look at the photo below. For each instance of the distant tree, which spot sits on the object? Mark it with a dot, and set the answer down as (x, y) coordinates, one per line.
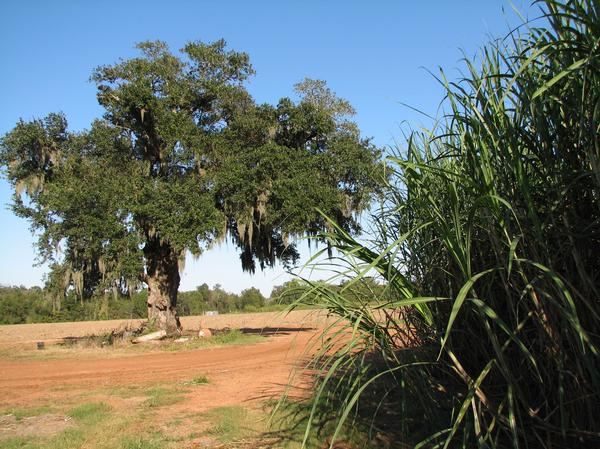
(288, 292)
(221, 300)
(203, 290)
(251, 299)
(182, 157)
(22, 305)
(365, 290)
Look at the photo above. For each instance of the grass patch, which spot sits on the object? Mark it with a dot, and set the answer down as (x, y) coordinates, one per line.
(234, 336)
(19, 443)
(125, 391)
(99, 426)
(137, 442)
(90, 413)
(236, 426)
(160, 397)
(20, 413)
(70, 438)
(220, 338)
(198, 380)
(121, 339)
(231, 423)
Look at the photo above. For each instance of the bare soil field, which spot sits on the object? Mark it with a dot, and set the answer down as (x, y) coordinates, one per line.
(181, 383)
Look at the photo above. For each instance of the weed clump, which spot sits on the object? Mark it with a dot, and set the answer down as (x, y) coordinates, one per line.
(198, 380)
(90, 413)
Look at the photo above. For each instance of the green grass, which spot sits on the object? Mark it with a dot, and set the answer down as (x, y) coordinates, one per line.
(198, 380)
(98, 426)
(90, 413)
(161, 397)
(237, 426)
(228, 422)
(18, 443)
(70, 438)
(125, 391)
(137, 442)
(20, 413)
(231, 337)
(89, 420)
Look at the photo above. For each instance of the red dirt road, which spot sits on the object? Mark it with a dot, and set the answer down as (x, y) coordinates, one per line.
(239, 375)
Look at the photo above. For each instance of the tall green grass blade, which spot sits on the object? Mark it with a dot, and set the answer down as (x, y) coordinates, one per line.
(458, 302)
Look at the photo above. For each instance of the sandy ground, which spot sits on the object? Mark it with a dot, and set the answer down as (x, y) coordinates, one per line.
(239, 375)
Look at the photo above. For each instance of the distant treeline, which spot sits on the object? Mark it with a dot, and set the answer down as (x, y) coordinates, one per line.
(35, 305)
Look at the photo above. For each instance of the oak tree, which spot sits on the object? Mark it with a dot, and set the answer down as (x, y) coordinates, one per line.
(182, 158)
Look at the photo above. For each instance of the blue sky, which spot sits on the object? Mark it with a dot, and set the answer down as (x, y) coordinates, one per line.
(376, 54)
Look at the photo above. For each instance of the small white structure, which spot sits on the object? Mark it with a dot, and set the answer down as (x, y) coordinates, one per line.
(211, 312)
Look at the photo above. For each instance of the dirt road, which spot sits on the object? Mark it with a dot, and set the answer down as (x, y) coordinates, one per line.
(238, 374)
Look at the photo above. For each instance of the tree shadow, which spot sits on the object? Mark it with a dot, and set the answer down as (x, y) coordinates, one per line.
(273, 331)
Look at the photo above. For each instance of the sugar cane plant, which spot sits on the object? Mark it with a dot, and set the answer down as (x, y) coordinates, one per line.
(488, 241)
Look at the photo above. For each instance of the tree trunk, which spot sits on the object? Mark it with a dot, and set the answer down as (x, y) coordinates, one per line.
(162, 277)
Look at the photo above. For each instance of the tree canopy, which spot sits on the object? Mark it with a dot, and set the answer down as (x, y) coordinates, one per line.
(182, 158)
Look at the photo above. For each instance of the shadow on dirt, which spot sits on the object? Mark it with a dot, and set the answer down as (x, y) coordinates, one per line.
(273, 331)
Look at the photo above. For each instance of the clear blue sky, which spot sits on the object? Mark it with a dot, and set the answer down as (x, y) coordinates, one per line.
(375, 54)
